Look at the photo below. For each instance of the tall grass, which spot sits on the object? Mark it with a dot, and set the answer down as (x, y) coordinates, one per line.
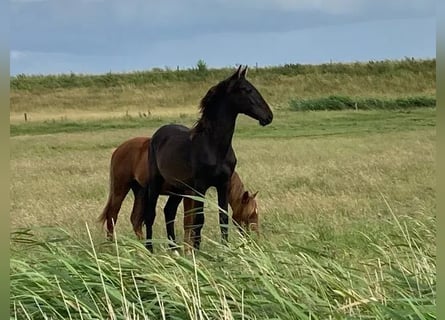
(56, 276)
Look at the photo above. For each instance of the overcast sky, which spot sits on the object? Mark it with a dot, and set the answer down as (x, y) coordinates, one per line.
(98, 36)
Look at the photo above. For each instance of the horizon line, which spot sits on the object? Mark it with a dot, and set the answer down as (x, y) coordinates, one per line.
(256, 66)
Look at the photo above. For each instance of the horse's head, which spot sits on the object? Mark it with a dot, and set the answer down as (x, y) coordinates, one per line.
(246, 215)
(244, 98)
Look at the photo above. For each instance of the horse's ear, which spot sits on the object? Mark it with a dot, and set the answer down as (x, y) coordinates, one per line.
(243, 72)
(245, 197)
(237, 73)
(254, 195)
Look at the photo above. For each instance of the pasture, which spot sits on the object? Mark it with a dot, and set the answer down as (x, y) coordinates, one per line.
(347, 207)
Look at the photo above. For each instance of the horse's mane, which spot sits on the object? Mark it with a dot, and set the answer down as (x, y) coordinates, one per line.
(207, 108)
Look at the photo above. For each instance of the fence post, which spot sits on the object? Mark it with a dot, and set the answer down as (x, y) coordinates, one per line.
(26, 116)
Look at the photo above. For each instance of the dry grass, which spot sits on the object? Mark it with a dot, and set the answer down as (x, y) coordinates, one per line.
(63, 178)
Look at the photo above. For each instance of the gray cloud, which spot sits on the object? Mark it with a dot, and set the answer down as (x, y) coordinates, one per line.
(133, 27)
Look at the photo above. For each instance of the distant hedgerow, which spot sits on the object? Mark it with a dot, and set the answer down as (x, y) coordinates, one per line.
(203, 71)
(335, 102)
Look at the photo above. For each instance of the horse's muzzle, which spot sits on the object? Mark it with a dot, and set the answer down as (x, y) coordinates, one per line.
(266, 121)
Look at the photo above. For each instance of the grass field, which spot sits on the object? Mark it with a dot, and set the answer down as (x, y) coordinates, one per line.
(347, 207)
(175, 94)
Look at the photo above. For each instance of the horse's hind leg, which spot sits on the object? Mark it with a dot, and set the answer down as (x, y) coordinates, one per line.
(137, 218)
(112, 208)
(170, 210)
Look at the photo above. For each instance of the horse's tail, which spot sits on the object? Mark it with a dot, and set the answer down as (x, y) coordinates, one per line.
(104, 216)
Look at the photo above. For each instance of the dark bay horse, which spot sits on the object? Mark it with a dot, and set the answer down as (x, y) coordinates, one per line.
(198, 158)
(129, 170)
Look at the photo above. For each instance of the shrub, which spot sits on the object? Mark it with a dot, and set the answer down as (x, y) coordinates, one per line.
(343, 102)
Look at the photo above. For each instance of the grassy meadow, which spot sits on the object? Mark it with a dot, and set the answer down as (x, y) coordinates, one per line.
(346, 199)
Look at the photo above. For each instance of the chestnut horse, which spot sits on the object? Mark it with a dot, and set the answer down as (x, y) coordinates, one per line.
(194, 159)
(129, 170)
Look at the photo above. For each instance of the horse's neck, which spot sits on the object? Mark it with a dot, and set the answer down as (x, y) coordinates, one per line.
(220, 130)
(236, 195)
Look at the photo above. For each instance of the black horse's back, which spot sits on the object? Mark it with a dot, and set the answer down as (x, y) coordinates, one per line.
(168, 131)
(170, 149)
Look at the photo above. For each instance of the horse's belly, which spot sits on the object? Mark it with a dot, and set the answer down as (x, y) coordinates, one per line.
(176, 176)
(175, 168)
(213, 175)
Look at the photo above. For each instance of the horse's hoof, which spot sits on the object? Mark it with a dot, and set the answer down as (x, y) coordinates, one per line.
(110, 237)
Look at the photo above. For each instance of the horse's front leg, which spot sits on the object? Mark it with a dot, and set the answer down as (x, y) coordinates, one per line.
(154, 189)
(170, 210)
(223, 196)
(198, 212)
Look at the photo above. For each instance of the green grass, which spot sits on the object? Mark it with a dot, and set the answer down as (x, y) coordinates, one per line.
(66, 126)
(287, 125)
(343, 103)
(277, 280)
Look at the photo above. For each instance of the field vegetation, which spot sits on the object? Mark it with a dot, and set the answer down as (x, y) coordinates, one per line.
(175, 93)
(346, 198)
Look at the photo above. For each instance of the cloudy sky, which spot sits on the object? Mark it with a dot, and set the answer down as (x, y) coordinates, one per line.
(98, 36)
